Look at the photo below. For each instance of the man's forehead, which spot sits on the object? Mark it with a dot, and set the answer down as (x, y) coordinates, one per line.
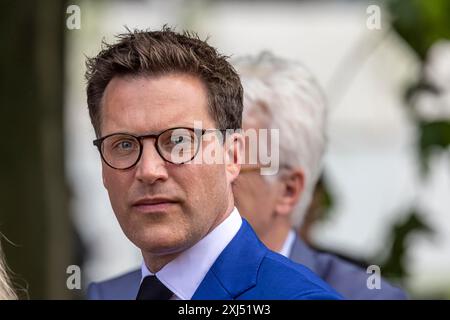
(143, 104)
(154, 91)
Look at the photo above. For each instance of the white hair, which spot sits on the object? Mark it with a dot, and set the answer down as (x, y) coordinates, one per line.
(6, 291)
(293, 103)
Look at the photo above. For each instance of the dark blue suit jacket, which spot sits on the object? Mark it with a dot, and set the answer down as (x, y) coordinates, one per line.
(347, 278)
(246, 269)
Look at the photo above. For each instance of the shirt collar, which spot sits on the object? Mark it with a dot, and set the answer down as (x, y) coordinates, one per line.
(288, 243)
(184, 274)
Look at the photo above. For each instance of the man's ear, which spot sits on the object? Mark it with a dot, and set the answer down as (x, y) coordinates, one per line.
(292, 184)
(233, 155)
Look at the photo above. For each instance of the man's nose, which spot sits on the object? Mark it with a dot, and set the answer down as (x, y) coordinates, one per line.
(151, 166)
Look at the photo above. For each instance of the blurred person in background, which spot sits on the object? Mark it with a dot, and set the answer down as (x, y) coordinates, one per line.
(145, 94)
(6, 290)
(282, 94)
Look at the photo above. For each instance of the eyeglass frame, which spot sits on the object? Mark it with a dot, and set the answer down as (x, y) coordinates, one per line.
(98, 143)
(259, 167)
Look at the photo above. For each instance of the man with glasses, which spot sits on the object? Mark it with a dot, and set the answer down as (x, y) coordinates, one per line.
(281, 94)
(145, 95)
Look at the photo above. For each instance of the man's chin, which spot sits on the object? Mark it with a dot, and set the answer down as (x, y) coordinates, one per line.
(160, 244)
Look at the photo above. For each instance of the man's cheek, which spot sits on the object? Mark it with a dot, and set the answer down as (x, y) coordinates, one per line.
(104, 177)
(108, 177)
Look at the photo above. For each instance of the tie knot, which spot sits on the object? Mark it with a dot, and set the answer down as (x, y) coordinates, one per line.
(153, 289)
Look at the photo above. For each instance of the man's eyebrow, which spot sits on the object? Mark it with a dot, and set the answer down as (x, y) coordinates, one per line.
(134, 133)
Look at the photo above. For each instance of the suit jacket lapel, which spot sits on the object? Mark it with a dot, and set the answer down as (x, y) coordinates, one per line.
(235, 270)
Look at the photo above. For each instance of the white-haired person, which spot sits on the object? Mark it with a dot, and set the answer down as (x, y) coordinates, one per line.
(282, 94)
(6, 290)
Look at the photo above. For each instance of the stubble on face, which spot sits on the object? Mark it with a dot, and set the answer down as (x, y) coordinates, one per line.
(198, 194)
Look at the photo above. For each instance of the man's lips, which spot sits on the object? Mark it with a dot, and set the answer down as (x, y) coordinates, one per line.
(149, 205)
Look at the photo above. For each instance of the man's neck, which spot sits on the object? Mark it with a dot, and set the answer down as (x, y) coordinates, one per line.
(274, 239)
(155, 263)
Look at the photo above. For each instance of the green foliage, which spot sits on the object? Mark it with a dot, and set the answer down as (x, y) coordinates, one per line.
(420, 22)
(434, 136)
(393, 266)
(326, 197)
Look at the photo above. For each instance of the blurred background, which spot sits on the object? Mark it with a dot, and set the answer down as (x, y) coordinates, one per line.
(384, 197)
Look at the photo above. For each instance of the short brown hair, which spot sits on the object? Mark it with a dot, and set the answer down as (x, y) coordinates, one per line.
(155, 53)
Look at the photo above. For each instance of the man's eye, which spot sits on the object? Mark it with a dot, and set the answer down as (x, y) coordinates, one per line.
(124, 145)
(180, 139)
